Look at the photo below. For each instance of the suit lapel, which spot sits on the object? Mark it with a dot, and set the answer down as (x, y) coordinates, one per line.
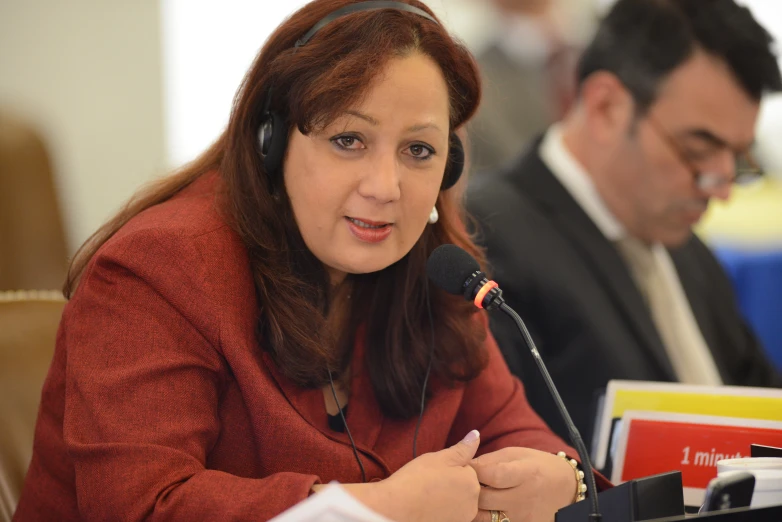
(535, 180)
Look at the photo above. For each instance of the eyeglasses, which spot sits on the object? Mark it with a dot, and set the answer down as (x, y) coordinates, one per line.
(746, 170)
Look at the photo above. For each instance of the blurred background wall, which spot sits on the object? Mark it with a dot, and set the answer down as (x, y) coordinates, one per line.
(87, 75)
(121, 92)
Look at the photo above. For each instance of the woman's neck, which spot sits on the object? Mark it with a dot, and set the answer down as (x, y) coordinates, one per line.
(339, 306)
(337, 320)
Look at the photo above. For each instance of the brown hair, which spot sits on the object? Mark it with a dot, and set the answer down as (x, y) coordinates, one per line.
(312, 85)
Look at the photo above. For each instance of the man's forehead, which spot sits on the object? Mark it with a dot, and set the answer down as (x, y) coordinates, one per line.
(703, 99)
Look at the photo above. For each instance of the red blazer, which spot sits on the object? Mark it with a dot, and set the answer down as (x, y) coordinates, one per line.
(159, 403)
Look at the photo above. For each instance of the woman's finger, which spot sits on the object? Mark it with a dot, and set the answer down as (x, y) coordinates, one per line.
(482, 516)
(504, 455)
(490, 498)
(503, 475)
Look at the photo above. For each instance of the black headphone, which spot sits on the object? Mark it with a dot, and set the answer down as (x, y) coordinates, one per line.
(273, 143)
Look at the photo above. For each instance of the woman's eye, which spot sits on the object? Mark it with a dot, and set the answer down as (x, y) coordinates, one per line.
(347, 142)
(421, 152)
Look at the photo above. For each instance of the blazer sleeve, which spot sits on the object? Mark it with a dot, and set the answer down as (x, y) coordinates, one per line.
(143, 382)
(495, 404)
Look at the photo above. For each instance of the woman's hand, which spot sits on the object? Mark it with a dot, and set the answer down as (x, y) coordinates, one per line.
(434, 486)
(527, 484)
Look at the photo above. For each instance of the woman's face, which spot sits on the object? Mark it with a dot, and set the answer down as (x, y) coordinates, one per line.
(362, 188)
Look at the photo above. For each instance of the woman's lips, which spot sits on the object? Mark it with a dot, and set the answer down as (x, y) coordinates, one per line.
(369, 231)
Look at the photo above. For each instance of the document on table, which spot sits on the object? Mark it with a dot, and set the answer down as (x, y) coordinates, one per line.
(332, 504)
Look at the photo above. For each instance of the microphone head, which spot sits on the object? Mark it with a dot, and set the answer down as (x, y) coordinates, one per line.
(449, 267)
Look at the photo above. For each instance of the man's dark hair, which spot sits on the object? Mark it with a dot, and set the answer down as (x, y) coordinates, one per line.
(642, 41)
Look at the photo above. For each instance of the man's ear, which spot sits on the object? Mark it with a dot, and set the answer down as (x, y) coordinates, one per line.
(607, 105)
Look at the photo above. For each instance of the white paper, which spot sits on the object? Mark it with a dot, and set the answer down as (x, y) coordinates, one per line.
(332, 504)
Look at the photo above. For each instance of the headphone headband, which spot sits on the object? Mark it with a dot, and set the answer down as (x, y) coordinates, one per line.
(272, 135)
(357, 7)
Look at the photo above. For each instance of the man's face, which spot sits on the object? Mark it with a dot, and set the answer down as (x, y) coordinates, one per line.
(700, 121)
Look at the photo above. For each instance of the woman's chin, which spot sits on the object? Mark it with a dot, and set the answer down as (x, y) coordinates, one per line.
(368, 264)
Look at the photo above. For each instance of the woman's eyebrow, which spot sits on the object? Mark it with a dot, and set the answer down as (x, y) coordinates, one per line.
(375, 122)
(422, 126)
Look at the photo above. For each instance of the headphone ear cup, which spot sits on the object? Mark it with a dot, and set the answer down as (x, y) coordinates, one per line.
(265, 134)
(273, 136)
(455, 165)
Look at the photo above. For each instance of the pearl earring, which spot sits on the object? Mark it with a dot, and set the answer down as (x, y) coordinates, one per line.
(433, 216)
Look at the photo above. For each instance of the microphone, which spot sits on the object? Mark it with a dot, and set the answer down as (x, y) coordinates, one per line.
(454, 270)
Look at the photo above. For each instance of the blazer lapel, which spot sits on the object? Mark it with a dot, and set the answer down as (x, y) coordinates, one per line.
(364, 417)
(533, 178)
(364, 413)
(308, 402)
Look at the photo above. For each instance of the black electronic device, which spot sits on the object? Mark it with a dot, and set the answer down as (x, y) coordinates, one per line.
(731, 491)
(758, 450)
(646, 498)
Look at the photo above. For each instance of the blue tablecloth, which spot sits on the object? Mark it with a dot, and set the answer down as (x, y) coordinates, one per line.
(757, 279)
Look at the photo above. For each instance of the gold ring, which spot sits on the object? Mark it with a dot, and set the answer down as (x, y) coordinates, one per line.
(499, 516)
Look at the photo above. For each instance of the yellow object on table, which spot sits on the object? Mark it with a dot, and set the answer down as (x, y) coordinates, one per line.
(751, 219)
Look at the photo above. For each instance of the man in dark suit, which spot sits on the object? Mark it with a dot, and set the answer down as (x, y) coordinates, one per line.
(589, 234)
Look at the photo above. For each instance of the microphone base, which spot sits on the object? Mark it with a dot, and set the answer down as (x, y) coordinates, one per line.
(646, 498)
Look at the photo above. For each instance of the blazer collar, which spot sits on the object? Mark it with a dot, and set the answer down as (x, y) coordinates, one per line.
(364, 417)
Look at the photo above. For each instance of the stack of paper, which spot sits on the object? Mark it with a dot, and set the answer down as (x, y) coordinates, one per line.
(332, 504)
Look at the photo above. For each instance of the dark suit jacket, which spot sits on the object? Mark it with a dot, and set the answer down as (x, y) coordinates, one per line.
(160, 404)
(576, 295)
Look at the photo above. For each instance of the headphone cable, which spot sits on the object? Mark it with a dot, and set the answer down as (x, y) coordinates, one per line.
(423, 393)
(428, 370)
(345, 423)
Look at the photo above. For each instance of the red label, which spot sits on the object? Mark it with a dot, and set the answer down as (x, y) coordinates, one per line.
(656, 447)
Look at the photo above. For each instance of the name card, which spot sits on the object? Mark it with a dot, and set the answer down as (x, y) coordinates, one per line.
(741, 402)
(655, 442)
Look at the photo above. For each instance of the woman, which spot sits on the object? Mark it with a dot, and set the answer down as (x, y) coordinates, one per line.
(219, 320)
